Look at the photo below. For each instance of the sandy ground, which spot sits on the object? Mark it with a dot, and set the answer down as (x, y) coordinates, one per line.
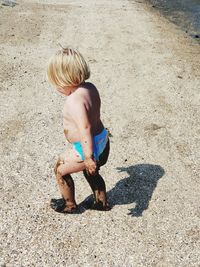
(147, 72)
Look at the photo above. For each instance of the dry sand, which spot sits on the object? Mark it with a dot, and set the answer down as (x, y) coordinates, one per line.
(147, 72)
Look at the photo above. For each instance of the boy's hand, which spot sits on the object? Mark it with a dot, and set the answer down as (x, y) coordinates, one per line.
(90, 165)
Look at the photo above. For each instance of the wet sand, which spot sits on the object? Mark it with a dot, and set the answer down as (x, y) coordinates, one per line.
(184, 13)
(147, 72)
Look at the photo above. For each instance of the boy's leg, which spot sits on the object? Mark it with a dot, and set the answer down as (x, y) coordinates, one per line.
(67, 190)
(69, 163)
(96, 181)
(98, 187)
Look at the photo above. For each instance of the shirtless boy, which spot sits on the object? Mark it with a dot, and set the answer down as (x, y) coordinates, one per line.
(67, 71)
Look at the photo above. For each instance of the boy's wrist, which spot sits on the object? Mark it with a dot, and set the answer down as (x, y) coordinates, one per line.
(88, 157)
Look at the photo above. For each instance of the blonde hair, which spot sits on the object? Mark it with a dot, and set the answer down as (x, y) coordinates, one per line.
(67, 67)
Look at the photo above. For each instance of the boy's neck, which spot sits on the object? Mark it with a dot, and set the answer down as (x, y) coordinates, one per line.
(72, 89)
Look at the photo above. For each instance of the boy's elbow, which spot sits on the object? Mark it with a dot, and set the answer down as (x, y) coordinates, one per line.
(87, 127)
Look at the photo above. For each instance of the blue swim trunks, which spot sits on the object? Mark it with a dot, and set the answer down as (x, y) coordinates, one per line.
(99, 144)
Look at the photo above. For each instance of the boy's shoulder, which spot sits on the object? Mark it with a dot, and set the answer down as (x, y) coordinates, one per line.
(81, 94)
(85, 90)
(87, 86)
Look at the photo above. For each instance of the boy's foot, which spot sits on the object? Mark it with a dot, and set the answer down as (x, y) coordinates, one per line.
(93, 205)
(60, 206)
(99, 206)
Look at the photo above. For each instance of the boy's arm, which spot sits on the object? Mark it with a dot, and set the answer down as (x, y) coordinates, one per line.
(80, 116)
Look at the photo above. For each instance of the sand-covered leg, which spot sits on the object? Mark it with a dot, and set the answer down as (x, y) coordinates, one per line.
(98, 187)
(66, 165)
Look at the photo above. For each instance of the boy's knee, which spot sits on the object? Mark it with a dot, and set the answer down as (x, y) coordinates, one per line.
(57, 165)
(59, 170)
(62, 170)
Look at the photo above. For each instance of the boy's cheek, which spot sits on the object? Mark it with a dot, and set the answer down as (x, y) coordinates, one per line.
(60, 90)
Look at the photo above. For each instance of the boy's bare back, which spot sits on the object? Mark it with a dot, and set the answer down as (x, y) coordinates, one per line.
(82, 109)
